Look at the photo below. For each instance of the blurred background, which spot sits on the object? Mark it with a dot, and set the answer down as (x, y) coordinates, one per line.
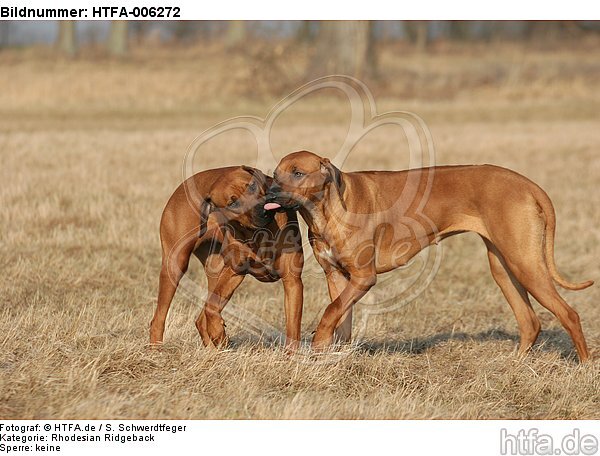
(191, 74)
(263, 59)
(95, 119)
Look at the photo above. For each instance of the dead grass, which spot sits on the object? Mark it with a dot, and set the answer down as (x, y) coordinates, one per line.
(90, 153)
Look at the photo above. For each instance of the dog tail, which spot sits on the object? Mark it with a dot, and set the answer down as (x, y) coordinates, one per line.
(545, 204)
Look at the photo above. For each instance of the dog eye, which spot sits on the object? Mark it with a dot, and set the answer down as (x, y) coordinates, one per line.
(252, 187)
(298, 174)
(233, 204)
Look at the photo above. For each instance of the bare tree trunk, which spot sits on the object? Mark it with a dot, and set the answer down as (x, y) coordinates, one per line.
(182, 31)
(372, 62)
(4, 32)
(418, 34)
(344, 47)
(236, 34)
(460, 30)
(67, 42)
(304, 33)
(387, 30)
(545, 31)
(422, 36)
(117, 39)
(138, 31)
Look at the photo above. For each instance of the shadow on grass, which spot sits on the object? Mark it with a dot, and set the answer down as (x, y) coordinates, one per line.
(551, 340)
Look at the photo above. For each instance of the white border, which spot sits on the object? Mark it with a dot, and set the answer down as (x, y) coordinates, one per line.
(301, 438)
(372, 9)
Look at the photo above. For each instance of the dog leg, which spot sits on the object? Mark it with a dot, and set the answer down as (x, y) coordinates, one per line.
(209, 323)
(523, 252)
(293, 301)
(336, 283)
(516, 295)
(524, 235)
(172, 270)
(354, 291)
(539, 283)
(529, 267)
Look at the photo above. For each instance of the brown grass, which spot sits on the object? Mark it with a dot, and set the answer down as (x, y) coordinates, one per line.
(92, 150)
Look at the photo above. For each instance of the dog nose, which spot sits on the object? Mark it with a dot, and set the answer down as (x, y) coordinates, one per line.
(273, 190)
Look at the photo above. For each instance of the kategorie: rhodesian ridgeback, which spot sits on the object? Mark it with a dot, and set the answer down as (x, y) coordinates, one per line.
(358, 228)
(218, 216)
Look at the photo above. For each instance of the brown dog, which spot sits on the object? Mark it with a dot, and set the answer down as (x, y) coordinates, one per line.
(218, 215)
(363, 223)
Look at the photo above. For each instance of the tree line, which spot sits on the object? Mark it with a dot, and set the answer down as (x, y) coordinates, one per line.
(348, 47)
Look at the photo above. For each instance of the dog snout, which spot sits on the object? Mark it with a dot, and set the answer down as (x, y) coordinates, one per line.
(273, 190)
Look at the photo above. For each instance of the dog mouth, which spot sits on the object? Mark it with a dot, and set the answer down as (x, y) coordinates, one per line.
(272, 206)
(277, 203)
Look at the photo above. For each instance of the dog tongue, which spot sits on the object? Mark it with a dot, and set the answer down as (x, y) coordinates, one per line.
(272, 206)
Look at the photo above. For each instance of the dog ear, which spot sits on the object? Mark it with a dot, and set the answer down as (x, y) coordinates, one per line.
(210, 223)
(334, 176)
(257, 174)
(213, 232)
(206, 208)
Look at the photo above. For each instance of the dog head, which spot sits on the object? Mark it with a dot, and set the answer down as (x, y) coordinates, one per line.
(301, 179)
(237, 196)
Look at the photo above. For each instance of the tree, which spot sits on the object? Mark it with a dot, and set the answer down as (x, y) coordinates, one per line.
(236, 33)
(67, 41)
(304, 32)
(460, 30)
(118, 39)
(4, 33)
(344, 47)
(138, 31)
(418, 34)
(553, 30)
(183, 31)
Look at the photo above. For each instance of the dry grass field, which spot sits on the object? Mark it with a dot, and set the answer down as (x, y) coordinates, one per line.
(92, 149)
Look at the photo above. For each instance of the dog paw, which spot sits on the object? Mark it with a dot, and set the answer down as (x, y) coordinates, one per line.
(154, 346)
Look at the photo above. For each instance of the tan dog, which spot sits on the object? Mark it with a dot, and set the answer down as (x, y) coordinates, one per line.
(363, 223)
(218, 215)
